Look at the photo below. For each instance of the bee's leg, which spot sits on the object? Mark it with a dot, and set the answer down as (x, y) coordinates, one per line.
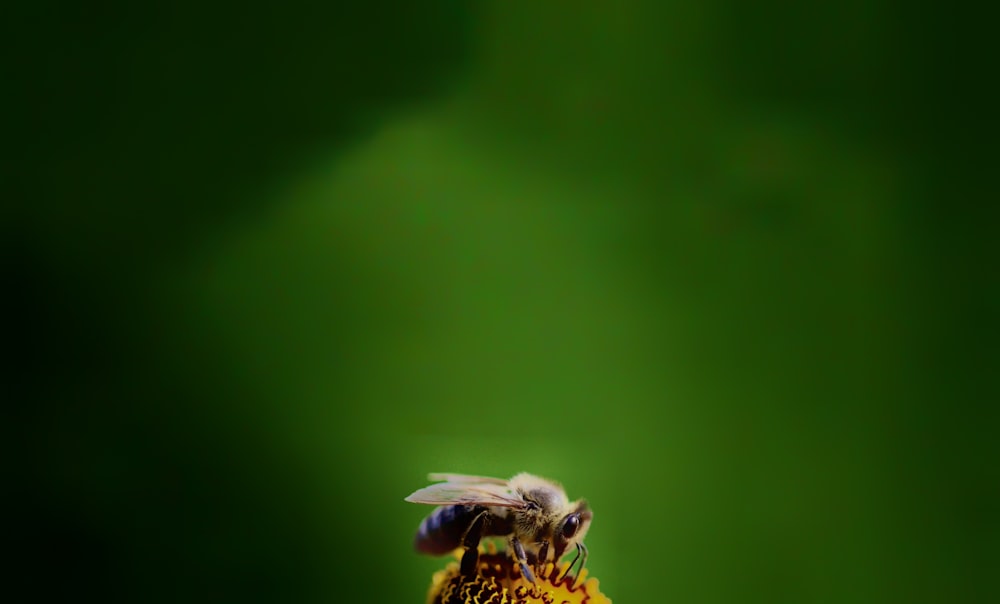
(522, 558)
(470, 559)
(557, 553)
(543, 555)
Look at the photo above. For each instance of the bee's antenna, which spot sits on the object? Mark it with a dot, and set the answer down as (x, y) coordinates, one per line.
(575, 558)
(581, 551)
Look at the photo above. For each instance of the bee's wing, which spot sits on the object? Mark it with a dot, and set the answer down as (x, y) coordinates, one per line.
(439, 477)
(468, 493)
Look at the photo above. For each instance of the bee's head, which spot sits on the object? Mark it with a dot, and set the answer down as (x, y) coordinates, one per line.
(573, 526)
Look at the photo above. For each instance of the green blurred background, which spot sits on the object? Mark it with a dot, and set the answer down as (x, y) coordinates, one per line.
(714, 266)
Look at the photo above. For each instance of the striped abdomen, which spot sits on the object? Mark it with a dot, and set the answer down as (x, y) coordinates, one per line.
(442, 531)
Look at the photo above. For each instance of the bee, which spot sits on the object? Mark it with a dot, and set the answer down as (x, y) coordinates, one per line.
(533, 513)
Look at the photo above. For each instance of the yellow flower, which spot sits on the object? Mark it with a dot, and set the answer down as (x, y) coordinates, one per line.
(498, 580)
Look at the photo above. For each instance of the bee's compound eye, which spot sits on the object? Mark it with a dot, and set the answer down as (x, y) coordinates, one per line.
(571, 526)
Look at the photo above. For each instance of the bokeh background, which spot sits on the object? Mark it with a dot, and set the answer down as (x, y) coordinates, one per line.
(714, 266)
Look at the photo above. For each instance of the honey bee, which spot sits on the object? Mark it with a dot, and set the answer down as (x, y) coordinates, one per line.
(533, 513)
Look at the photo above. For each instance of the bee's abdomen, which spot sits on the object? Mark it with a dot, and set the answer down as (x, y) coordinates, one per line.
(442, 531)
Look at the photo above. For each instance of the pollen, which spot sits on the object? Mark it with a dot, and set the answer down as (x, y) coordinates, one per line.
(498, 580)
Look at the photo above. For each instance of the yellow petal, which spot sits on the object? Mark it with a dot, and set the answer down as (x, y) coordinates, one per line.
(498, 580)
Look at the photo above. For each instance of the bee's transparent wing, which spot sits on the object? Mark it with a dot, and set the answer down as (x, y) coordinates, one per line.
(445, 477)
(467, 493)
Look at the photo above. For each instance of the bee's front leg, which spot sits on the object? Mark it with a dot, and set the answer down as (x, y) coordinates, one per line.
(543, 555)
(470, 559)
(522, 558)
(558, 552)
